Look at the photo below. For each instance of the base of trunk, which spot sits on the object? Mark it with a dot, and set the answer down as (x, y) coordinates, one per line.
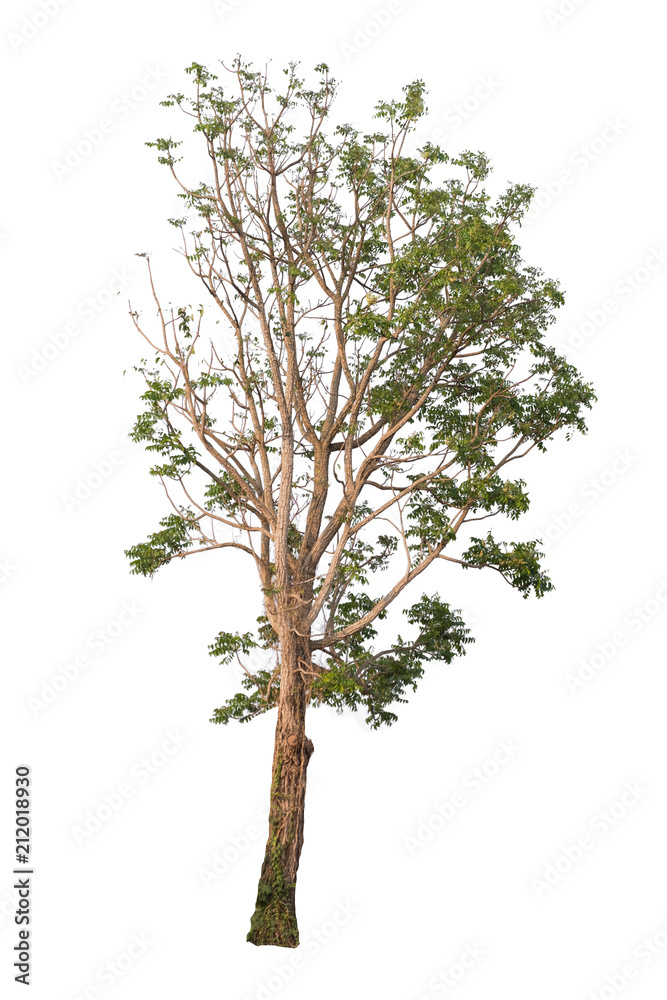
(274, 919)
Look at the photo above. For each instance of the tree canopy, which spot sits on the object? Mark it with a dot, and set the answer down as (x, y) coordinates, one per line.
(379, 364)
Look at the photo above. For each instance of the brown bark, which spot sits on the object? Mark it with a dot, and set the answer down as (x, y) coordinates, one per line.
(274, 920)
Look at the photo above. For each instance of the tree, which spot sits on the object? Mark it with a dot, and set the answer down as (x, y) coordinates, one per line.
(383, 363)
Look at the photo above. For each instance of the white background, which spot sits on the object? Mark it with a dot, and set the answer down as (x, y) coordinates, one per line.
(537, 91)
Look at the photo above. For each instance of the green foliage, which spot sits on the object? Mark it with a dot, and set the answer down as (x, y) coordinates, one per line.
(432, 505)
(244, 707)
(224, 494)
(228, 644)
(518, 562)
(263, 686)
(162, 546)
(154, 428)
(359, 678)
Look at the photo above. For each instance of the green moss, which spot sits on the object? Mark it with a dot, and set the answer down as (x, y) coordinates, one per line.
(274, 919)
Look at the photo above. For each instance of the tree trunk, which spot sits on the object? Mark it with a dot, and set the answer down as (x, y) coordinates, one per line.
(274, 920)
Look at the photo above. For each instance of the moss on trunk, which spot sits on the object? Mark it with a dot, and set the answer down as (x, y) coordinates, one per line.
(274, 920)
